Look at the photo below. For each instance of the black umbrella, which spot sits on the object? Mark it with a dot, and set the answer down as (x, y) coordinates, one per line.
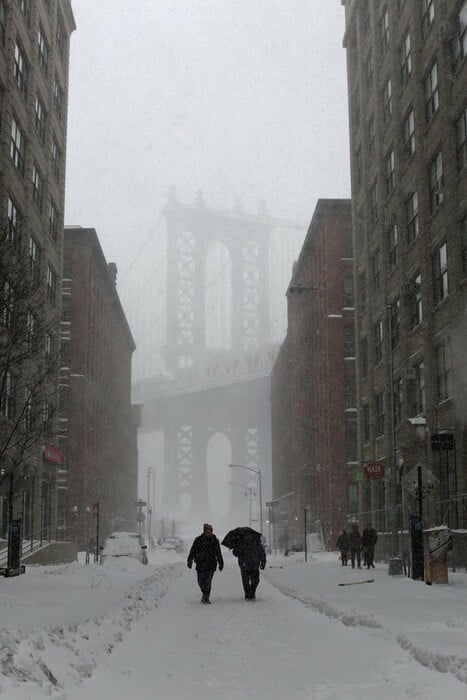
(232, 538)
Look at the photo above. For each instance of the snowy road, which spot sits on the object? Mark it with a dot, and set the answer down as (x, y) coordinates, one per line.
(275, 648)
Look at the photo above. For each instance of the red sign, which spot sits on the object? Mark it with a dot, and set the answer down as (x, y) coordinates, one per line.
(374, 470)
(52, 453)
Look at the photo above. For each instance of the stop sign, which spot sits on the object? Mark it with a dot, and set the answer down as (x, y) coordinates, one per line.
(374, 470)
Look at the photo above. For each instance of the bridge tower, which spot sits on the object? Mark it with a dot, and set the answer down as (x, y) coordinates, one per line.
(191, 420)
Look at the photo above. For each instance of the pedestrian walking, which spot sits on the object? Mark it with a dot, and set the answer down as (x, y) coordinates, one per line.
(369, 540)
(355, 543)
(206, 553)
(343, 545)
(251, 558)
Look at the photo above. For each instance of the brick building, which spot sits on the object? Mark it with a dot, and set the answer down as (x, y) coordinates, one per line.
(407, 83)
(98, 419)
(34, 59)
(313, 383)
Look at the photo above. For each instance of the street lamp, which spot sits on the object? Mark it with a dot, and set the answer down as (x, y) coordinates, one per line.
(250, 494)
(258, 473)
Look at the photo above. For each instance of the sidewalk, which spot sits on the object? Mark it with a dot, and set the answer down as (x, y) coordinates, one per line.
(428, 621)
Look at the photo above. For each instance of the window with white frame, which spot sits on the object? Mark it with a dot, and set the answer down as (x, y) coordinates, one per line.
(384, 27)
(390, 172)
(461, 140)
(460, 46)
(39, 117)
(380, 413)
(34, 257)
(431, 92)
(428, 14)
(376, 269)
(378, 332)
(387, 100)
(53, 221)
(43, 50)
(14, 222)
(37, 186)
(415, 302)
(409, 134)
(7, 404)
(440, 273)
(21, 70)
(25, 6)
(413, 226)
(444, 369)
(393, 240)
(17, 146)
(436, 181)
(56, 157)
(51, 285)
(406, 59)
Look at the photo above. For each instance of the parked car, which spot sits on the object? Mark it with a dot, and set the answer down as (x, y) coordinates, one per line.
(124, 544)
(174, 543)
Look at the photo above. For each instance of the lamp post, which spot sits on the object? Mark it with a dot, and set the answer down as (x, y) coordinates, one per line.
(258, 473)
(250, 492)
(149, 520)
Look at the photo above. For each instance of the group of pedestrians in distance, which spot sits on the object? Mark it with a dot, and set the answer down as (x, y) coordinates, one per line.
(206, 553)
(358, 546)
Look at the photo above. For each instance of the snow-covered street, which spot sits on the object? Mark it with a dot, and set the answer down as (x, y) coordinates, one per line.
(304, 637)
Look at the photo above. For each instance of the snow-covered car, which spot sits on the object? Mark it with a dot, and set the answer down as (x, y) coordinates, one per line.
(174, 543)
(125, 544)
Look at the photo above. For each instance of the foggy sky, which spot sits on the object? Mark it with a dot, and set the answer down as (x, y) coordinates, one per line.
(238, 97)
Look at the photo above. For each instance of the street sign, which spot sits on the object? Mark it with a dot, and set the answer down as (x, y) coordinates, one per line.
(442, 441)
(359, 476)
(271, 504)
(374, 470)
(410, 480)
(140, 504)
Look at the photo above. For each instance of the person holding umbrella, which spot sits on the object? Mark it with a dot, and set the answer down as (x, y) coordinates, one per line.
(246, 546)
(206, 553)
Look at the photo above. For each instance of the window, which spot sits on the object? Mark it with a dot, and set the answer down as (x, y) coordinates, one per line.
(353, 499)
(444, 369)
(464, 245)
(56, 156)
(39, 114)
(395, 321)
(387, 101)
(393, 243)
(25, 6)
(379, 406)
(436, 182)
(7, 404)
(34, 258)
(43, 51)
(48, 350)
(364, 356)
(378, 340)
(461, 43)
(461, 140)
(419, 396)
(349, 341)
(390, 173)
(384, 26)
(37, 186)
(366, 422)
(351, 442)
(60, 39)
(411, 207)
(8, 304)
(409, 134)
(376, 269)
(350, 392)
(53, 221)
(14, 222)
(440, 273)
(17, 146)
(29, 410)
(346, 244)
(369, 71)
(415, 302)
(371, 135)
(51, 286)
(373, 195)
(57, 97)
(31, 330)
(362, 291)
(397, 395)
(2, 22)
(406, 59)
(431, 92)
(21, 71)
(428, 14)
(47, 419)
(347, 290)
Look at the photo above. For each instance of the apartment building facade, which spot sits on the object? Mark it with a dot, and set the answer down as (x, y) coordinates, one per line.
(34, 60)
(407, 87)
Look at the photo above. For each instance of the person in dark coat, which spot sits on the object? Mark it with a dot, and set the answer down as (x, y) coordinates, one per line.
(251, 558)
(206, 553)
(369, 540)
(343, 545)
(355, 542)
